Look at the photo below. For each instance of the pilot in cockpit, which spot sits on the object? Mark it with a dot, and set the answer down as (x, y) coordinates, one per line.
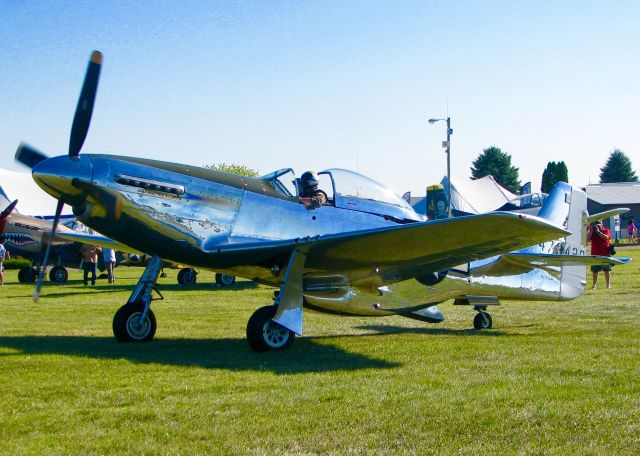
(312, 197)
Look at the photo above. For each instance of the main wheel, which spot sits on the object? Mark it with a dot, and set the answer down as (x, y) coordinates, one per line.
(127, 326)
(225, 280)
(187, 276)
(482, 320)
(264, 334)
(22, 275)
(27, 275)
(58, 274)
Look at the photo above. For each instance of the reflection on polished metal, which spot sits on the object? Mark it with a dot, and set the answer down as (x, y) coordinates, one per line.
(361, 253)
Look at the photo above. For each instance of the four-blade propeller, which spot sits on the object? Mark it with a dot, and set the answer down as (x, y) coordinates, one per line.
(30, 156)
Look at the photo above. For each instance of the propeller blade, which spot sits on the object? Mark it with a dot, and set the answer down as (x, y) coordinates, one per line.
(82, 117)
(29, 156)
(4, 214)
(54, 227)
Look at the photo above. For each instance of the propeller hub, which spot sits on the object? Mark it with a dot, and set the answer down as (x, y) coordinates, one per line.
(57, 176)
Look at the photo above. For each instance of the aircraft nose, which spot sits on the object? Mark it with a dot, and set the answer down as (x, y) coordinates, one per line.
(59, 177)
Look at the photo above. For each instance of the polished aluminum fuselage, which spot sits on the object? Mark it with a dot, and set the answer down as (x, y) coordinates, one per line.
(218, 221)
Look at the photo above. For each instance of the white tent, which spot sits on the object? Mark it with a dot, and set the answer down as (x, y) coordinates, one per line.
(477, 196)
(32, 200)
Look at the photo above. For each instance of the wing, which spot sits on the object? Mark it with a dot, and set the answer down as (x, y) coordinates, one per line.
(95, 239)
(401, 252)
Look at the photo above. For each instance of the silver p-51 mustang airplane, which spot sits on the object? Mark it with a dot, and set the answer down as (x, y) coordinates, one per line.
(350, 256)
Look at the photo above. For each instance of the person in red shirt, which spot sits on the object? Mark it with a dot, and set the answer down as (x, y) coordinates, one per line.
(600, 238)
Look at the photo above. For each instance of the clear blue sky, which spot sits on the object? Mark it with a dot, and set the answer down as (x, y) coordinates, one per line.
(320, 84)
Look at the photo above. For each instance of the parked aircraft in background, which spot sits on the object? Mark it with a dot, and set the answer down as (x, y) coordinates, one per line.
(343, 257)
(27, 237)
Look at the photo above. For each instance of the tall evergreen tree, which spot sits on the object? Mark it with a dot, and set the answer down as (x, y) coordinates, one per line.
(498, 164)
(548, 177)
(554, 172)
(617, 169)
(562, 172)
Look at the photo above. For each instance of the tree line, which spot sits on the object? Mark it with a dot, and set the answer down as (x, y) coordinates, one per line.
(493, 161)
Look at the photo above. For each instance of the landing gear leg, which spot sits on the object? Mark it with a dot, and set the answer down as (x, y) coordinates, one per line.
(482, 320)
(274, 327)
(135, 321)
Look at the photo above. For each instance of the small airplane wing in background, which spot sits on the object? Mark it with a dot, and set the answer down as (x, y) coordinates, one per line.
(95, 239)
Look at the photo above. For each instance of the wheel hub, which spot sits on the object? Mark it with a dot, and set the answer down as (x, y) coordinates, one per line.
(137, 330)
(275, 336)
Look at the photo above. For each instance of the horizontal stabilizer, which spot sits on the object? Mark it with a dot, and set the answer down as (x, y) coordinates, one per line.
(607, 214)
(543, 260)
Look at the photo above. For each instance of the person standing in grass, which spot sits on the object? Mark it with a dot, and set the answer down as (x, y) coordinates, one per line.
(89, 255)
(632, 229)
(3, 254)
(109, 257)
(600, 238)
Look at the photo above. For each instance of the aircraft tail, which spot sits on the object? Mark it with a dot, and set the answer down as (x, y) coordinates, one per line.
(566, 206)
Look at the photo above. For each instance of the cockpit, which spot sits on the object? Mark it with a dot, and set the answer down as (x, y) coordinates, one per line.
(347, 190)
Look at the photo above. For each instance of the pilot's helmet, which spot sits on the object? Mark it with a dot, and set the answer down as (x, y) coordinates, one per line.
(309, 180)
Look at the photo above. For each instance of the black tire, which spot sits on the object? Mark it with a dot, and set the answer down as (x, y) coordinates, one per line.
(22, 275)
(58, 274)
(187, 276)
(27, 275)
(482, 320)
(225, 280)
(264, 334)
(125, 328)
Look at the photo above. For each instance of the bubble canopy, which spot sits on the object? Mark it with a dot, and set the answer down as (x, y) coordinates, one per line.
(354, 185)
(348, 190)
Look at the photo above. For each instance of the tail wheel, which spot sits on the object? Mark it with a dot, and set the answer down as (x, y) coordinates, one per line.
(482, 320)
(225, 280)
(58, 274)
(127, 326)
(264, 334)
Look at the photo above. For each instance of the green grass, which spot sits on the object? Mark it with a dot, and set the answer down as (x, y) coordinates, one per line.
(550, 378)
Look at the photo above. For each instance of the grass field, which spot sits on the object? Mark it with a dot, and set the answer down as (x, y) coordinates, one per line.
(550, 378)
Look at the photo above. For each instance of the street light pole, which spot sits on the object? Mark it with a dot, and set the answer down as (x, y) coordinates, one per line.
(449, 133)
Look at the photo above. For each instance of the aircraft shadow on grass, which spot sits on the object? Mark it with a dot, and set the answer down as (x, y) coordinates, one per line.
(232, 354)
(77, 284)
(379, 330)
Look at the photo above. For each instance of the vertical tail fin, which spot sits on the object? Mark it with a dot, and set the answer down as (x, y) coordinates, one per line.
(567, 206)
